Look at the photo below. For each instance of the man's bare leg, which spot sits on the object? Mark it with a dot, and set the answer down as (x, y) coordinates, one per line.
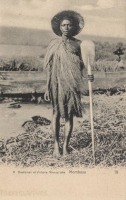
(56, 129)
(67, 133)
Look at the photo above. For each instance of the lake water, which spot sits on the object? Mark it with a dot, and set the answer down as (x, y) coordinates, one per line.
(21, 81)
(30, 81)
(11, 119)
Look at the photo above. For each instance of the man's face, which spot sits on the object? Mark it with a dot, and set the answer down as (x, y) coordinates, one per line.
(66, 27)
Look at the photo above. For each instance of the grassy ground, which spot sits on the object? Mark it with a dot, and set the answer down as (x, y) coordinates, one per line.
(34, 146)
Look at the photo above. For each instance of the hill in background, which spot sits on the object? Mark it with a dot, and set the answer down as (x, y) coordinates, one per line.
(25, 36)
(21, 42)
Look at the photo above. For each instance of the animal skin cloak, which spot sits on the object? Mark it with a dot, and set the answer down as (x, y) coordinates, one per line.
(65, 65)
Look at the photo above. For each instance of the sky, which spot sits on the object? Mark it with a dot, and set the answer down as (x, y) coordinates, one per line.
(102, 17)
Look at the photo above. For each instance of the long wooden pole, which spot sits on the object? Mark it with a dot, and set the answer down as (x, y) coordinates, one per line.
(88, 56)
(91, 110)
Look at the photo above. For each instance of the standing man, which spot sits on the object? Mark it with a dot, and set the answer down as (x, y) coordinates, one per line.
(65, 69)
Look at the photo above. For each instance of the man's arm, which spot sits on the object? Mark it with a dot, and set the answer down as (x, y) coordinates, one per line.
(48, 77)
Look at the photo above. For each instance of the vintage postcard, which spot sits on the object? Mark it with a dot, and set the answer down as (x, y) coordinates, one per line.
(63, 99)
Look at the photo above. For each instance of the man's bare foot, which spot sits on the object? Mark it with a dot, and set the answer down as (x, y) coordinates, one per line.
(56, 153)
(65, 152)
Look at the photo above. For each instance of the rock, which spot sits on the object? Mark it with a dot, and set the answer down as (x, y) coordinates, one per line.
(22, 137)
(29, 125)
(11, 140)
(14, 105)
(41, 120)
(40, 100)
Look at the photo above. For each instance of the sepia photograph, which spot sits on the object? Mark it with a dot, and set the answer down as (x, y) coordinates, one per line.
(63, 91)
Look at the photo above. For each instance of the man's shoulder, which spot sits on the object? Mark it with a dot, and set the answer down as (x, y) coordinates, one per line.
(53, 42)
(77, 41)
